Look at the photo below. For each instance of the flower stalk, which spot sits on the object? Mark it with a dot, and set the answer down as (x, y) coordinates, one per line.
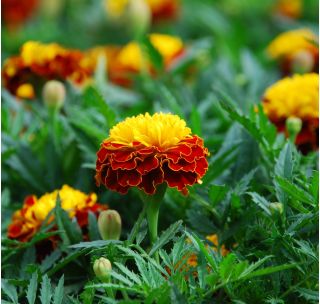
(152, 204)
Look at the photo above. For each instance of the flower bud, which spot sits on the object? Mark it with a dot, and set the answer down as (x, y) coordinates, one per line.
(276, 208)
(139, 16)
(102, 269)
(303, 62)
(54, 94)
(109, 224)
(294, 126)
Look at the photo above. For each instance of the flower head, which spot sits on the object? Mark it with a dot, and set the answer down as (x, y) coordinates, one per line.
(295, 96)
(289, 8)
(38, 62)
(131, 58)
(146, 151)
(292, 47)
(16, 12)
(28, 220)
(160, 9)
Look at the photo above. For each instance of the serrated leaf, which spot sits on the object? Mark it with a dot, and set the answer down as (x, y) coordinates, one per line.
(9, 290)
(50, 260)
(45, 291)
(166, 236)
(32, 288)
(58, 292)
(295, 192)
(261, 202)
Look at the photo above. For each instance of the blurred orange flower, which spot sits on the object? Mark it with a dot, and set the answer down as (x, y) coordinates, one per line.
(295, 96)
(289, 8)
(146, 151)
(295, 49)
(131, 58)
(17, 12)
(40, 62)
(27, 221)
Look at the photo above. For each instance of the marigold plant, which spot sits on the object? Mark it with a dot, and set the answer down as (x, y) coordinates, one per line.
(295, 96)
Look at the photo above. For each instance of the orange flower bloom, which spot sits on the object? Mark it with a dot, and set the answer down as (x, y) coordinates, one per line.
(27, 221)
(159, 9)
(289, 8)
(16, 12)
(38, 62)
(295, 47)
(131, 59)
(163, 9)
(295, 96)
(146, 151)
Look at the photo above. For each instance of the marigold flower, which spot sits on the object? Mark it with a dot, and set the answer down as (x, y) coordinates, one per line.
(164, 9)
(289, 8)
(160, 9)
(16, 12)
(146, 151)
(295, 96)
(288, 47)
(132, 60)
(38, 62)
(28, 220)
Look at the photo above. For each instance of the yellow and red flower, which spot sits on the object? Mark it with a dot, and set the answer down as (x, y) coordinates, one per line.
(164, 9)
(295, 96)
(293, 47)
(131, 59)
(39, 61)
(17, 12)
(27, 221)
(289, 8)
(159, 9)
(145, 151)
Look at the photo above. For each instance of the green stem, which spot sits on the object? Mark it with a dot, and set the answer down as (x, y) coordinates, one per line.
(152, 203)
(152, 217)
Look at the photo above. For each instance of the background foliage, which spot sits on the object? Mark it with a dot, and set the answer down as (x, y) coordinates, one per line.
(274, 255)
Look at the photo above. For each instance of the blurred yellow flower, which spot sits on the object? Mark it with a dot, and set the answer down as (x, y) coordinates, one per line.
(291, 42)
(25, 91)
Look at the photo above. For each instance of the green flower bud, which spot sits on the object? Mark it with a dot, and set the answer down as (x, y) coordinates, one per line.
(276, 208)
(54, 94)
(109, 224)
(139, 16)
(294, 126)
(102, 269)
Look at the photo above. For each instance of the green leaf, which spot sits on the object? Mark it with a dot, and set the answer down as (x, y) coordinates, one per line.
(217, 193)
(58, 292)
(93, 98)
(94, 244)
(50, 260)
(9, 290)
(32, 288)
(268, 270)
(46, 290)
(295, 192)
(308, 294)
(166, 236)
(261, 202)
(70, 231)
(93, 227)
(152, 53)
(196, 121)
